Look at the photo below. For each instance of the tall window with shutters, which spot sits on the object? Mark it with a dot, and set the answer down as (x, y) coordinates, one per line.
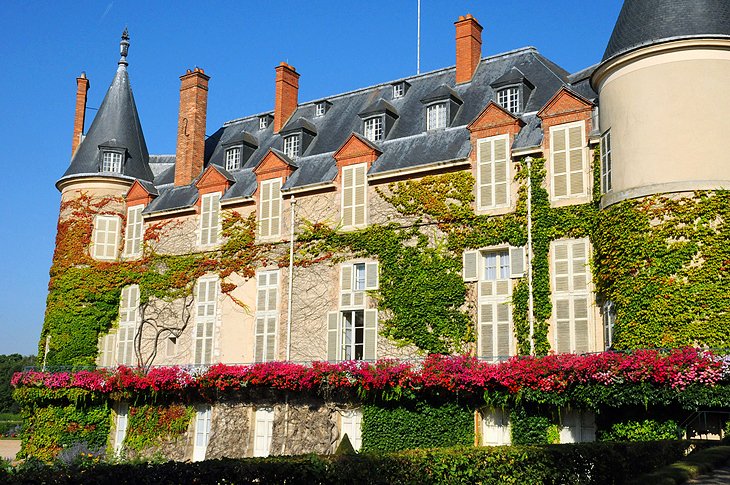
(108, 349)
(133, 232)
(270, 209)
(352, 331)
(493, 172)
(351, 425)
(606, 165)
(263, 427)
(202, 432)
(354, 196)
(128, 322)
(267, 315)
(577, 426)
(568, 167)
(105, 238)
(206, 303)
(493, 269)
(571, 296)
(210, 207)
(121, 426)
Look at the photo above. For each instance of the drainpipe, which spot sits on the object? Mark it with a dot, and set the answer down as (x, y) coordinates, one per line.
(292, 205)
(530, 299)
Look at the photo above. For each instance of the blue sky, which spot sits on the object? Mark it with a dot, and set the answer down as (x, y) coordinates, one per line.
(337, 46)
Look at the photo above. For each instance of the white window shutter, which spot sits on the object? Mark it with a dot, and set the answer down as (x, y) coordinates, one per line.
(517, 261)
(371, 276)
(370, 336)
(504, 339)
(348, 189)
(558, 147)
(471, 265)
(333, 332)
(501, 172)
(485, 193)
(486, 330)
(346, 277)
(562, 324)
(259, 341)
(271, 339)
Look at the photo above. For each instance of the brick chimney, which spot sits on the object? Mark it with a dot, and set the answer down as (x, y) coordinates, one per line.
(191, 126)
(287, 94)
(82, 89)
(468, 47)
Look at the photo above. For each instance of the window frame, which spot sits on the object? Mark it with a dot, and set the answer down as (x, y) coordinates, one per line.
(233, 162)
(263, 122)
(320, 109)
(571, 295)
(399, 90)
(134, 232)
(444, 106)
(376, 132)
(492, 140)
(266, 314)
(513, 97)
(210, 209)
(202, 417)
(292, 145)
(116, 161)
(568, 173)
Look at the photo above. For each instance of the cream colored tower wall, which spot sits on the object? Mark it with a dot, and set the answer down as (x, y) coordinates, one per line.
(667, 108)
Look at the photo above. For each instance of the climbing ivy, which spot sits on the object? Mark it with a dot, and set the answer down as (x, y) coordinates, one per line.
(150, 424)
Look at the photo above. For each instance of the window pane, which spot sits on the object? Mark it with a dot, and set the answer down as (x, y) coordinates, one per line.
(233, 158)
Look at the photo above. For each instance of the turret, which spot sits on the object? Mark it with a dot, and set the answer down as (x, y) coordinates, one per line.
(664, 100)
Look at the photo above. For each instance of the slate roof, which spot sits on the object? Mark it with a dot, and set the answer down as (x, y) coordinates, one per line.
(116, 124)
(643, 23)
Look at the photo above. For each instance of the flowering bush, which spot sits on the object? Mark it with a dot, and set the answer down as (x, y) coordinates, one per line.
(437, 374)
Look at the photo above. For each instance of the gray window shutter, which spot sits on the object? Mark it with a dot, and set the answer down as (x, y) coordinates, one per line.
(517, 261)
(271, 339)
(471, 265)
(333, 330)
(371, 276)
(370, 337)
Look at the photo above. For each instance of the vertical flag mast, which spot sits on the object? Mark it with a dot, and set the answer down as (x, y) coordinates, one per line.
(418, 48)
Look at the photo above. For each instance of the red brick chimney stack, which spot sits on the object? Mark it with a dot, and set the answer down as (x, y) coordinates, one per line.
(82, 89)
(287, 94)
(468, 47)
(191, 126)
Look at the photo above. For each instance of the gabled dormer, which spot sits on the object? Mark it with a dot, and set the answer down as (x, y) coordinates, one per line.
(377, 120)
(441, 107)
(512, 90)
(238, 149)
(296, 136)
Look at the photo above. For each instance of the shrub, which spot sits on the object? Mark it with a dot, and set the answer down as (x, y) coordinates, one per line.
(647, 430)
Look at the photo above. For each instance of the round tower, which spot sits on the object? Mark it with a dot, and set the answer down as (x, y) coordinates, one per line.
(664, 100)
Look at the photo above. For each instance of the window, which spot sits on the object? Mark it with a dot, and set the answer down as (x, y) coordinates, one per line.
(233, 158)
(121, 427)
(263, 122)
(399, 90)
(436, 116)
(320, 109)
(493, 172)
(496, 427)
(267, 288)
(373, 129)
(606, 182)
(509, 99)
(202, 432)
(106, 237)
(128, 317)
(568, 168)
(352, 332)
(108, 347)
(354, 196)
(171, 345)
(609, 319)
(133, 232)
(571, 298)
(111, 162)
(493, 269)
(263, 430)
(205, 317)
(209, 218)
(291, 146)
(577, 426)
(351, 425)
(270, 208)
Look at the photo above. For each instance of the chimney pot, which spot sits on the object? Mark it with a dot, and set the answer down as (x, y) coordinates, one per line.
(287, 94)
(191, 126)
(468, 47)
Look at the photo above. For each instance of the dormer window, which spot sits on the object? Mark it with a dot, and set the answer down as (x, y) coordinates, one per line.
(319, 109)
(263, 122)
(233, 158)
(399, 90)
(373, 128)
(291, 146)
(509, 99)
(436, 116)
(111, 162)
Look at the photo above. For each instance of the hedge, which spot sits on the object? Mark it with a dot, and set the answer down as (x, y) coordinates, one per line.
(585, 463)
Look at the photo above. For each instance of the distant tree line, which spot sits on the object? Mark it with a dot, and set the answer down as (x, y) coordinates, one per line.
(9, 365)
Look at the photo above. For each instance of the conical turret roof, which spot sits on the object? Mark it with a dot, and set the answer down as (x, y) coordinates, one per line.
(116, 128)
(642, 23)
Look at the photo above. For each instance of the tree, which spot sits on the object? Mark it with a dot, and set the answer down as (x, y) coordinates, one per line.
(9, 365)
